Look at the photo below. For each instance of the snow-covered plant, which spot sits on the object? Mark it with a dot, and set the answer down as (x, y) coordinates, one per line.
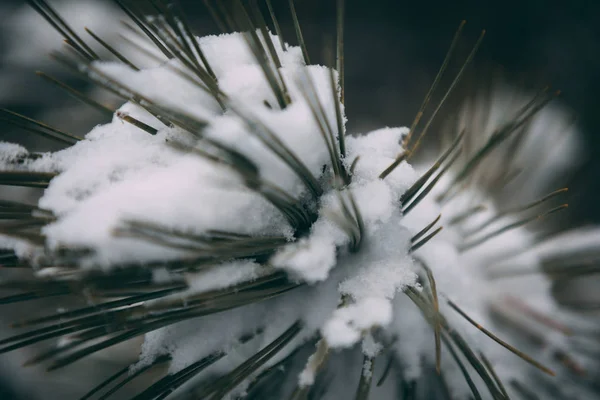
(226, 216)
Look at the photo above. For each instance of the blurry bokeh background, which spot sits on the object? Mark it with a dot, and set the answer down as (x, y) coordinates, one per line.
(393, 51)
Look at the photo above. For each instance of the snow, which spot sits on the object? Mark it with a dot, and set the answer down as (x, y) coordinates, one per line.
(347, 324)
(314, 362)
(370, 347)
(120, 174)
(10, 153)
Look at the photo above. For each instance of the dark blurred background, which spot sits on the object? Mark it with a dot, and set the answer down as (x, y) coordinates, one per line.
(393, 51)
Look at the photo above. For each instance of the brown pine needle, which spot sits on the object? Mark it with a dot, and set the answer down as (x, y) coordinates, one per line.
(516, 210)
(341, 11)
(105, 383)
(466, 214)
(570, 363)
(308, 91)
(448, 92)
(499, 136)
(353, 165)
(538, 316)
(220, 387)
(414, 189)
(386, 370)
(462, 368)
(136, 122)
(436, 81)
(215, 16)
(366, 377)
(26, 178)
(450, 338)
(299, 32)
(537, 202)
(226, 15)
(272, 75)
(401, 157)
(315, 363)
(489, 334)
(524, 221)
(262, 26)
(141, 49)
(134, 374)
(430, 186)
(78, 95)
(22, 121)
(143, 27)
(169, 383)
(523, 390)
(491, 370)
(276, 24)
(112, 50)
(341, 134)
(426, 239)
(43, 8)
(436, 317)
(425, 230)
